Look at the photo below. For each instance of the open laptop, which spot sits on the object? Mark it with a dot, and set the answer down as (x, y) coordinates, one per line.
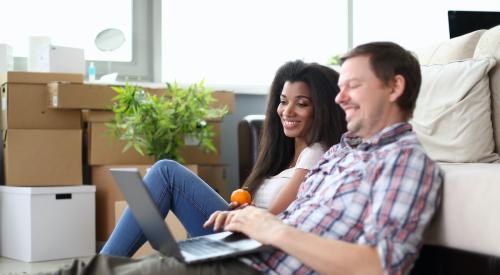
(194, 250)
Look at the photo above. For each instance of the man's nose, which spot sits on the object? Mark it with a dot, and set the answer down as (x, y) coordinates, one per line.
(341, 96)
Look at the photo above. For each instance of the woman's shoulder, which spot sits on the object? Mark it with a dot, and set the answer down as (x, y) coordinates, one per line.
(317, 147)
(310, 156)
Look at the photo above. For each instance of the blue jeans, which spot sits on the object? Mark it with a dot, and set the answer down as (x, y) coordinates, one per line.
(174, 188)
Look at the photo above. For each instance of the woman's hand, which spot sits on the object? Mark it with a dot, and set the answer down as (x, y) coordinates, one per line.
(232, 205)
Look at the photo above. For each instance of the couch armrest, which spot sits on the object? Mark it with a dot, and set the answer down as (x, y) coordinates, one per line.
(249, 129)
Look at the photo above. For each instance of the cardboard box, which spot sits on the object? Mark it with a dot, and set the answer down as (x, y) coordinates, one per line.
(99, 97)
(215, 176)
(42, 157)
(24, 102)
(103, 149)
(80, 96)
(225, 98)
(193, 154)
(39, 78)
(97, 116)
(47, 223)
(107, 192)
(173, 223)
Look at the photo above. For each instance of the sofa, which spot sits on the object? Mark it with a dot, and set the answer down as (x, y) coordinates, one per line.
(457, 119)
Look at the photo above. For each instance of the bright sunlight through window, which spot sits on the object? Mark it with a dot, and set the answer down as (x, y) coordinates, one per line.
(242, 43)
(67, 23)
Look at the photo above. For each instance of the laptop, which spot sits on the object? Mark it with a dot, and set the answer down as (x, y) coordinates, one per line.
(193, 250)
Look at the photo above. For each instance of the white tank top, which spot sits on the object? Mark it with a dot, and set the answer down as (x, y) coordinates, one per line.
(270, 188)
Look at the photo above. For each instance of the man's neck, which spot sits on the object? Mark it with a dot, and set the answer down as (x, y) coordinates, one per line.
(393, 116)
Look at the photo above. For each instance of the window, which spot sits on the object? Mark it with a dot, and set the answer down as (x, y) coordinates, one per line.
(67, 23)
(412, 24)
(241, 44)
(77, 23)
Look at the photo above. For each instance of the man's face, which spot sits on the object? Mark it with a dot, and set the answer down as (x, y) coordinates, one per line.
(366, 100)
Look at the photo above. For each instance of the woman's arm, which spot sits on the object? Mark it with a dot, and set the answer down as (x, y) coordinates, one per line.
(289, 192)
(285, 196)
(307, 159)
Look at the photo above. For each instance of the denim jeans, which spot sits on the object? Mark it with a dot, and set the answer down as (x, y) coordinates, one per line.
(174, 188)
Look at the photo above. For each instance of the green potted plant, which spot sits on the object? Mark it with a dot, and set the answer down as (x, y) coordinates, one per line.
(157, 125)
(334, 60)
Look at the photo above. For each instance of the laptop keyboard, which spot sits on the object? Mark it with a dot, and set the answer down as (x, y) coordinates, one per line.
(204, 246)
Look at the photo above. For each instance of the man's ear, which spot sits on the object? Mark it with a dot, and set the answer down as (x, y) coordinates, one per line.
(398, 87)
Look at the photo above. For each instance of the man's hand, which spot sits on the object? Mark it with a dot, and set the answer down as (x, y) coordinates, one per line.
(256, 223)
(218, 218)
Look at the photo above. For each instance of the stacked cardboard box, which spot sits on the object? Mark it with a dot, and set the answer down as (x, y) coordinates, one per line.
(104, 152)
(42, 146)
(42, 156)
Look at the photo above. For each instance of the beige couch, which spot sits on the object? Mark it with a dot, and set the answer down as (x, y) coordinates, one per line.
(457, 118)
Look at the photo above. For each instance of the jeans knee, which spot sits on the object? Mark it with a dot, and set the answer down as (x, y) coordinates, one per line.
(166, 166)
(161, 175)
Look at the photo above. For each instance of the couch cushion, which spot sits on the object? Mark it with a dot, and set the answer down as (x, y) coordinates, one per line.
(489, 45)
(468, 217)
(452, 117)
(455, 49)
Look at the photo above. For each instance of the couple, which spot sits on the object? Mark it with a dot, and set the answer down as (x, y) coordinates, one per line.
(361, 209)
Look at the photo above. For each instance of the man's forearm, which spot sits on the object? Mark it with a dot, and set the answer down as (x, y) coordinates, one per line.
(328, 256)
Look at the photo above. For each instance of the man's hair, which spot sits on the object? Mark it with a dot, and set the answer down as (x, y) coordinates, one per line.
(388, 59)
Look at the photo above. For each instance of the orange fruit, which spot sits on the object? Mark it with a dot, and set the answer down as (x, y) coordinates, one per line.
(241, 196)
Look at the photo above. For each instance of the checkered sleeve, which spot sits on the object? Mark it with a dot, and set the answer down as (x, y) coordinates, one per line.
(404, 197)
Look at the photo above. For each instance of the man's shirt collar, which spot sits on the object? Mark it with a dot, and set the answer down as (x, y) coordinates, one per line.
(386, 135)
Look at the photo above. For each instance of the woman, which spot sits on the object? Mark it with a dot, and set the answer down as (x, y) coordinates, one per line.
(302, 121)
(278, 169)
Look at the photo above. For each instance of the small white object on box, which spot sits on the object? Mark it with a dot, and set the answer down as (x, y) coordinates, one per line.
(47, 223)
(58, 59)
(6, 58)
(34, 54)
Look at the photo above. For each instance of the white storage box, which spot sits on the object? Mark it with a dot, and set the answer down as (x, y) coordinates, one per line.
(47, 223)
(58, 59)
(6, 58)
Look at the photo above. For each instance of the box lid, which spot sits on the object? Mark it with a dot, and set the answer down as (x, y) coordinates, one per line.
(38, 78)
(48, 190)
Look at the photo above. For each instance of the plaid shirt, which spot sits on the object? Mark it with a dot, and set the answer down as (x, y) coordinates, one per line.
(382, 193)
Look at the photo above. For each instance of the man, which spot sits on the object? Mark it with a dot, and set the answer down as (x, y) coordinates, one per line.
(364, 207)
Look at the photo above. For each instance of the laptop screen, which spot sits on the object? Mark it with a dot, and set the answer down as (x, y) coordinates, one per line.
(462, 22)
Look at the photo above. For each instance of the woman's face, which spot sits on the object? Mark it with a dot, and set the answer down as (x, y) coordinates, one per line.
(295, 109)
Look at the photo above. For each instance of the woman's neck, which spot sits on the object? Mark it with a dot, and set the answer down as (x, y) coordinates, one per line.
(300, 145)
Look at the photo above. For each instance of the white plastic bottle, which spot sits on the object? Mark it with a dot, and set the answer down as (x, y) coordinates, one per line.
(91, 72)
